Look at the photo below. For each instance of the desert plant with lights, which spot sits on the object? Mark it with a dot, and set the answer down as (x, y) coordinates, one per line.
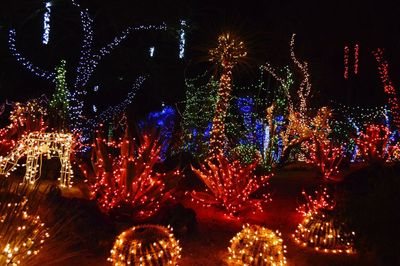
(123, 179)
(230, 185)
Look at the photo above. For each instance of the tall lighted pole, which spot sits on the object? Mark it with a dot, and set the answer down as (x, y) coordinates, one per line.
(227, 54)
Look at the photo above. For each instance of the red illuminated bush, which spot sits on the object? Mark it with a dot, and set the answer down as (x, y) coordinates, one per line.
(230, 185)
(373, 143)
(127, 183)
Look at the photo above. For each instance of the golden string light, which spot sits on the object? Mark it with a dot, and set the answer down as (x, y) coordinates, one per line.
(146, 245)
(257, 246)
(227, 54)
(36, 145)
(305, 85)
(319, 230)
(22, 231)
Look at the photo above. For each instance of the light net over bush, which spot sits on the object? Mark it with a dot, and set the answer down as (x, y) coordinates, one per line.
(257, 245)
(146, 245)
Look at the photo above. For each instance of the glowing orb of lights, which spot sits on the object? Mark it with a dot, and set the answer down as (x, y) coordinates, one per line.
(146, 245)
(257, 245)
(321, 231)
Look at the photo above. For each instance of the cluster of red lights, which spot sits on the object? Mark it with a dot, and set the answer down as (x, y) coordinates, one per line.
(373, 143)
(230, 185)
(128, 184)
(25, 118)
(313, 203)
(346, 62)
(325, 155)
(383, 68)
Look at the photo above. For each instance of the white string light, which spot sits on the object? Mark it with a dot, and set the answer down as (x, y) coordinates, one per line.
(88, 61)
(46, 23)
(182, 39)
(151, 51)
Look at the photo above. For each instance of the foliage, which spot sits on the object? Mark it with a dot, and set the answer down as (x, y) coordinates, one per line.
(124, 180)
(230, 185)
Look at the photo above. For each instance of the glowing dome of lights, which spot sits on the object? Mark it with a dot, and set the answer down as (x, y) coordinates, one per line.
(146, 245)
(257, 245)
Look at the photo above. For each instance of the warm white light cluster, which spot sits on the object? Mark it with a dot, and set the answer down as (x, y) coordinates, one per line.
(34, 147)
(22, 235)
(145, 245)
(46, 23)
(257, 246)
(321, 232)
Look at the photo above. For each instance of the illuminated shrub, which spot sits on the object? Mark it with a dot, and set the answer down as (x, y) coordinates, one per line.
(373, 143)
(22, 232)
(146, 245)
(321, 231)
(25, 117)
(127, 183)
(230, 185)
(313, 203)
(257, 245)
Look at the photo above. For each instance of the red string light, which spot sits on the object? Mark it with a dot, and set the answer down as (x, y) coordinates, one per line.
(346, 62)
(383, 68)
(128, 182)
(230, 185)
(356, 55)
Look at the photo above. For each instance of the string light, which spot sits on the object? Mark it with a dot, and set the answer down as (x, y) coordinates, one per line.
(356, 56)
(128, 181)
(393, 101)
(230, 185)
(60, 102)
(227, 54)
(257, 245)
(112, 111)
(146, 245)
(22, 231)
(36, 145)
(151, 51)
(88, 62)
(182, 39)
(305, 85)
(320, 231)
(374, 143)
(164, 122)
(46, 23)
(48, 75)
(346, 62)
(319, 228)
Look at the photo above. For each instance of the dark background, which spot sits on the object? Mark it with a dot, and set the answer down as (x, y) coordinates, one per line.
(323, 28)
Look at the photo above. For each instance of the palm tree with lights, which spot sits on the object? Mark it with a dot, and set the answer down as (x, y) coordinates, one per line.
(227, 54)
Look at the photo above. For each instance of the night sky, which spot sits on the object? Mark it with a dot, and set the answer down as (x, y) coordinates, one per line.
(323, 28)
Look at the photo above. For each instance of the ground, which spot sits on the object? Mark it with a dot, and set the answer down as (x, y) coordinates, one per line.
(208, 245)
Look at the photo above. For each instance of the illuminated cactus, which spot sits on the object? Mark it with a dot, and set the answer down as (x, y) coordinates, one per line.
(321, 231)
(257, 246)
(128, 183)
(228, 53)
(230, 185)
(146, 245)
